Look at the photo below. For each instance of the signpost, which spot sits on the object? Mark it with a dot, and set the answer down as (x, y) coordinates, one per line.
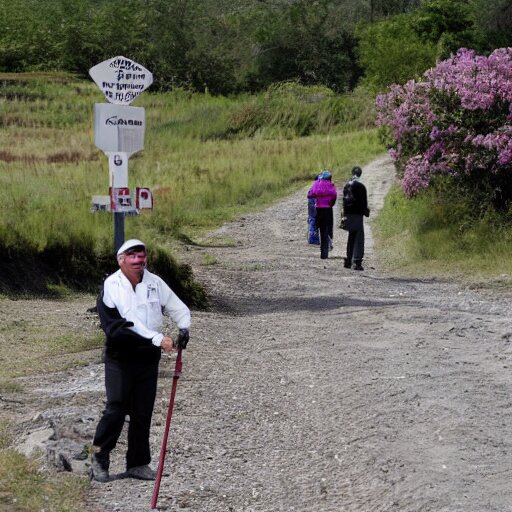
(120, 79)
(119, 128)
(119, 133)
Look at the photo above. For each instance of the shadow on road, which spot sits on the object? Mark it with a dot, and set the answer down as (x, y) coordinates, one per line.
(258, 305)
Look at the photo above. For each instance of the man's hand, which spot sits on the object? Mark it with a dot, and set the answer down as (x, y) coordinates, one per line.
(183, 338)
(167, 344)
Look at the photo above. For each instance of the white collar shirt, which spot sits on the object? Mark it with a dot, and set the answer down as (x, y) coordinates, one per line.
(146, 305)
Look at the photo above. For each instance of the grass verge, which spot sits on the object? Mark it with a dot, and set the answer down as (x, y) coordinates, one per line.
(25, 488)
(52, 340)
(421, 237)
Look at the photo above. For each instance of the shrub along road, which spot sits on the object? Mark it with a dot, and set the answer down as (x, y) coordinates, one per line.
(310, 387)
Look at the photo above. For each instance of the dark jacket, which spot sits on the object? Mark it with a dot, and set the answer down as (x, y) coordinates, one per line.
(121, 342)
(355, 200)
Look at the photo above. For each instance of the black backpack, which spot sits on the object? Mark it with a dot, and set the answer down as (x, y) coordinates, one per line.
(348, 194)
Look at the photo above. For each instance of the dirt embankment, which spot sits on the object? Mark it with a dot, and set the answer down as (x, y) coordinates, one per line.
(310, 387)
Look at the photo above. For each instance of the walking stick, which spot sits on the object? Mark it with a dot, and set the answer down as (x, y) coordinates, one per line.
(176, 376)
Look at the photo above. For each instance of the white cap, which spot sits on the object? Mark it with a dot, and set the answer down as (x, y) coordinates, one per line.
(130, 244)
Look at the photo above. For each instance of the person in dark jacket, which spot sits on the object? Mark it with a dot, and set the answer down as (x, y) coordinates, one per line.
(324, 193)
(131, 307)
(355, 207)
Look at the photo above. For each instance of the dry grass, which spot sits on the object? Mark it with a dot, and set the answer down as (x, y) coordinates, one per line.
(52, 336)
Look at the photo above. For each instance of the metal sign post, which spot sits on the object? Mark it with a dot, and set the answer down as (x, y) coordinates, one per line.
(118, 230)
(119, 130)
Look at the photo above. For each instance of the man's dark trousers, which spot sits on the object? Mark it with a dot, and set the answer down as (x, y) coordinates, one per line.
(355, 242)
(131, 390)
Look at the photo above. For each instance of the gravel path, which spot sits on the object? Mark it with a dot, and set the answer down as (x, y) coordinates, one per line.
(309, 387)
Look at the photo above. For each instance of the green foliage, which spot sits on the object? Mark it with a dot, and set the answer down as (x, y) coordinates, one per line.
(391, 51)
(93, 32)
(246, 45)
(402, 47)
(78, 264)
(25, 35)
(494, 19)
(299, 41)
(448, 24)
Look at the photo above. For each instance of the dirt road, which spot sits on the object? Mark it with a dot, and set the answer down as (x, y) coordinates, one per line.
(309, 387)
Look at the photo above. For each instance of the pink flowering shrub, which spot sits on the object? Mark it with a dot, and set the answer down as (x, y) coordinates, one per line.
(455, 122)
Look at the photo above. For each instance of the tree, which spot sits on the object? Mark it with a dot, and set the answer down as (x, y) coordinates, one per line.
(298, 41)
(27, 38)
(391, 51)
(92, 32)
(169, 40)
(494, 19)
(449, 24)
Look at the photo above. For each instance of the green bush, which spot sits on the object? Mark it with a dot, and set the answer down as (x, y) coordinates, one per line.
(391, 51)
(77, 265)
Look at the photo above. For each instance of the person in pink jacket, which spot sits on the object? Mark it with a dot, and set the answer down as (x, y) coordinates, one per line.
(324, 193)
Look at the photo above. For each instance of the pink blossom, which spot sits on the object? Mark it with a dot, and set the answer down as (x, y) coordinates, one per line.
(393, 154)
(456, 120)
(416, 175)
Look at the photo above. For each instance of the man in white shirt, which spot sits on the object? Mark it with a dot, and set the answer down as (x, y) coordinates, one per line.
(131, 308)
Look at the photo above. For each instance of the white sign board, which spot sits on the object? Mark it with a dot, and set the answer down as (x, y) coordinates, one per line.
(143, 198)
(120, 79)
(118, 169)
(101, 204)
(118, 128)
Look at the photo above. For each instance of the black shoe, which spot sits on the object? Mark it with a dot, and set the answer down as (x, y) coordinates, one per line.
(347, 263)
(142, 472)
(99, 470)
(358, 266)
